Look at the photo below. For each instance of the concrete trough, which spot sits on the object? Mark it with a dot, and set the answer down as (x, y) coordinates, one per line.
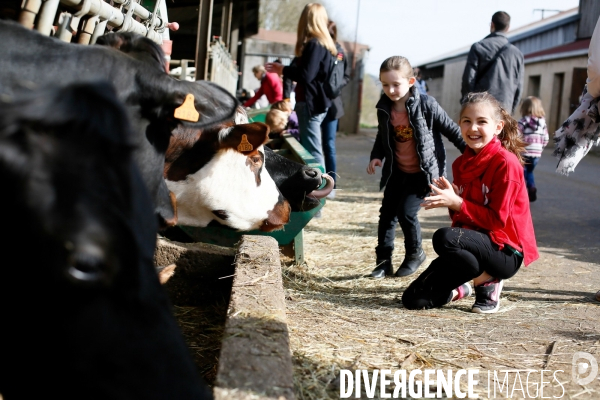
(255, 360)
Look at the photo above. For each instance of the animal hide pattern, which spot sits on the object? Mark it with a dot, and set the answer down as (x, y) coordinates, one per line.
(577, 134)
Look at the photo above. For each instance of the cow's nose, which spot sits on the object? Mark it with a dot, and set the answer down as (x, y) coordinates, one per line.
(312, 173)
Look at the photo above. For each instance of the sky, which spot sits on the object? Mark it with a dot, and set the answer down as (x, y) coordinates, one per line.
(421, 30)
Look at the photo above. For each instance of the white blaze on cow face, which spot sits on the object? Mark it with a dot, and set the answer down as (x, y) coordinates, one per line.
(233, 188)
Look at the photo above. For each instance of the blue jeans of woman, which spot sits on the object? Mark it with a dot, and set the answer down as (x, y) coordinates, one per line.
(328, 130)
(401, 202)
(463, 254)
(530, 163)
(310, 131)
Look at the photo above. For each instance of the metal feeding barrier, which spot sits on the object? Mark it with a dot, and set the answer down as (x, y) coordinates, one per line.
(90, 18)
(222, 69)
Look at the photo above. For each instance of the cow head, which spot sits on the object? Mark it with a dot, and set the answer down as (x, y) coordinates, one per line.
(81, 240)
(226, 180)
(68, 165)
(167, 104)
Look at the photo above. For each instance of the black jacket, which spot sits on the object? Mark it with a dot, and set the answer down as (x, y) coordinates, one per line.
(428, 121)
(310, 71)
(504, 79)
(336, 111)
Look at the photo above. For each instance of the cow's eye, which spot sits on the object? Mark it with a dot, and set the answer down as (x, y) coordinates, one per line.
(256, 160)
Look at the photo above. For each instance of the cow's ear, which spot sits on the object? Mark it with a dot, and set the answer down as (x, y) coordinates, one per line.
(246, 138)
(212, 103)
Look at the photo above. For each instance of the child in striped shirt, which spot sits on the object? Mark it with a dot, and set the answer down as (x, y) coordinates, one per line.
(532, 127)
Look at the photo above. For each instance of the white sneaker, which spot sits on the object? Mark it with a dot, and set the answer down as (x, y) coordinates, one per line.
(331, 195)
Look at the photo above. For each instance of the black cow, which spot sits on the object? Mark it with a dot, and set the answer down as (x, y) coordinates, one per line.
(83, 314)
(151, 97)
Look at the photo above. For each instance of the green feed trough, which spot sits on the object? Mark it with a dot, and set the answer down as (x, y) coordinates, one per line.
(290, 238)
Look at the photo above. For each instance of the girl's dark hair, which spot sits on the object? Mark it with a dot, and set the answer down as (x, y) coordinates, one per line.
(397, 63)
(509, 136)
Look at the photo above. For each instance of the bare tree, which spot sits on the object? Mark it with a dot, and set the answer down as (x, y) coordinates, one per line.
(281, 15)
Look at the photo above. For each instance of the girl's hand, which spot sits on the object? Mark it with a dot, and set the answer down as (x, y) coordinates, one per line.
(376, 162)
(274, 67)
(443, 194)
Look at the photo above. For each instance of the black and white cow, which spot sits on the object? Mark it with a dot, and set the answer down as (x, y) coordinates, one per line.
(214, 178)
(151, 97)
(83, 313)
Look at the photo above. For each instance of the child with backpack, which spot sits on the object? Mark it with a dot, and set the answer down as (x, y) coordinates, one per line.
(532, 127)
(409, 139)
(492, 230)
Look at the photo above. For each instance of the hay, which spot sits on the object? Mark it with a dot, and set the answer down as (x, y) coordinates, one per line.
(341, 319)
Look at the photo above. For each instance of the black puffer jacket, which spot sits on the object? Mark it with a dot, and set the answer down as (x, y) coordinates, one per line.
(428, 121)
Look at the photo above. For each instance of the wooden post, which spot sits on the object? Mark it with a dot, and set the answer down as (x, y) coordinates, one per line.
(226, 22)
(205, 9)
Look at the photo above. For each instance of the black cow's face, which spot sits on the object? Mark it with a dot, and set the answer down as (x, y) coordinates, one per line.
(79, 252)
(70, 185)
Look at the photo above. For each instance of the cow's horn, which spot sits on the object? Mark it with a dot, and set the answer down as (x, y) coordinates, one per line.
(320, 193)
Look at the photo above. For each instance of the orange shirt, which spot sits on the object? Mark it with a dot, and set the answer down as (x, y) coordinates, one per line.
(407, 159)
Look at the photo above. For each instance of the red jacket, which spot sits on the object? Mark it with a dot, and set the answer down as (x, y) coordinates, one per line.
(271, 86)
(495, 199)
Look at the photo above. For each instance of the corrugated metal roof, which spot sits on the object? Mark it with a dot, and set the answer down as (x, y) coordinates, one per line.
(573, 49)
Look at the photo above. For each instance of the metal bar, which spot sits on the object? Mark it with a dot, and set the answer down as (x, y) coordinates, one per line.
(87, 31)
(116, 18)
(46, 17)
(203, 41)
(29, 11)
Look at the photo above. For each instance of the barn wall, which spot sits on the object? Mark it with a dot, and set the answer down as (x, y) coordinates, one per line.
(450, 100)
(547, 72)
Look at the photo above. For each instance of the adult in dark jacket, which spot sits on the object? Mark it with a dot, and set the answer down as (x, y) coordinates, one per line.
(495, 66)
(409, 139)
(336, 111)
(314, 52)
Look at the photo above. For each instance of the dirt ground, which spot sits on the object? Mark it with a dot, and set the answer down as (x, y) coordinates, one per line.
(341, 319)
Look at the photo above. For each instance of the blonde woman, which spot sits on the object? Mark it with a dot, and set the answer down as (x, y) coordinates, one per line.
(314, 49)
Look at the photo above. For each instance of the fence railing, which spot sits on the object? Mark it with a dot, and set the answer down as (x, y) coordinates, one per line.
(222, 69)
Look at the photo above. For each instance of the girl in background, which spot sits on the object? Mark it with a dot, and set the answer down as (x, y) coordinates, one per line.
(534, 131)
(310, 69)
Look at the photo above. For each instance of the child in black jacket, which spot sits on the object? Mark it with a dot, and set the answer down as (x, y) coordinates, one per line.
(409, 139)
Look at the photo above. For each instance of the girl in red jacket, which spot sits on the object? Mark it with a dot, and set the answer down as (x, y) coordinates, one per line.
(492, 231)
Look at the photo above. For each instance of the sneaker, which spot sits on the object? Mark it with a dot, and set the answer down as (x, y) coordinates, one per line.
(487, 297)
(331, 195)
(411, 263)
(463, 291)
(384, 267)
(318, 214)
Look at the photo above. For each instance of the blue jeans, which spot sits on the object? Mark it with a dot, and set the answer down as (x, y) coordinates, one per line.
(328, 131)
(530, 163)
(310, 131)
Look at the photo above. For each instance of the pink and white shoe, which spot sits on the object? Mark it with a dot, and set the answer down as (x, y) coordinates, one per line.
(487, 297)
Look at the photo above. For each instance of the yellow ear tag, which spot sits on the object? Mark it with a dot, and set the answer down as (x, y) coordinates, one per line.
(186, 111)
(245, 145)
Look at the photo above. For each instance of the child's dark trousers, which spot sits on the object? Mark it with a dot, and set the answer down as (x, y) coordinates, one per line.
(463, 254)
(402, 198)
